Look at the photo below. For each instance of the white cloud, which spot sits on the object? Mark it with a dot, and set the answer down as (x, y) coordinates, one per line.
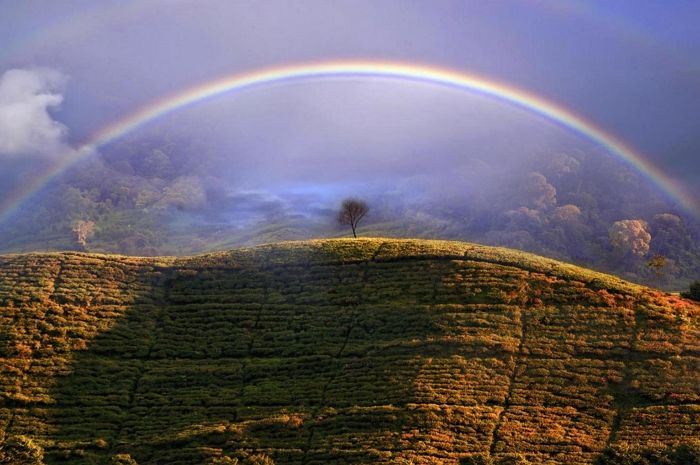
(27, 127)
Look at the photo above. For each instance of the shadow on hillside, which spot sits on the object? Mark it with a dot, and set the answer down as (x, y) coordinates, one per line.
(304, 363)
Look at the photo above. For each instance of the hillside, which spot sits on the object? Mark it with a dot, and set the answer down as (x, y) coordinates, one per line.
(338, 352)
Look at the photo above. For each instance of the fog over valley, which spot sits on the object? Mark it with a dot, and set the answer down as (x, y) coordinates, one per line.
(273, 161)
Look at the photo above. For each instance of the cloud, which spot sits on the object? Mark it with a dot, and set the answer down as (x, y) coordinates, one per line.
(27, 127)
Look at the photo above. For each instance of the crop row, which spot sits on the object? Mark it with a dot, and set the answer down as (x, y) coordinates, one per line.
(314, 354)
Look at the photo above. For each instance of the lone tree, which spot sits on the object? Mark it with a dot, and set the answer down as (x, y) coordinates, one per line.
(657, 263)
(351, 212)
(82, 230)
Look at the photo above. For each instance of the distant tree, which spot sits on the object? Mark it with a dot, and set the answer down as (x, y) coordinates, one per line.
(535, 192)
(82, 230)
(351, 212)
(156, 163)
(657, 264)
(525, 219)
(184, 193)
(566, 214)
(568, 233)
(630, 237)
(72, 203)
(694, 291)
(560, 165)
(670, 236)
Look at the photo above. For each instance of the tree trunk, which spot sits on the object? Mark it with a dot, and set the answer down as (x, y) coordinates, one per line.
(353, 231)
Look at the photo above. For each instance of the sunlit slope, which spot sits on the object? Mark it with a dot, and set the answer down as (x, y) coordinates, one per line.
(339, 351)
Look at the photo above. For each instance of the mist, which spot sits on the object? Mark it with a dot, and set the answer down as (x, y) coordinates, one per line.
(274, 162)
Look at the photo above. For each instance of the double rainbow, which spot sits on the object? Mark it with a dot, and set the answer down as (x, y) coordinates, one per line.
(357, 69)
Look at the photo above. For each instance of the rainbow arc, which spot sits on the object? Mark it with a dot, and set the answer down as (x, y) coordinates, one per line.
(431, 75)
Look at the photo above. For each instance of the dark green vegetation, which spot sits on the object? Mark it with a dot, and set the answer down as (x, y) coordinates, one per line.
(684, 454)
(339, 352)
(693, 292)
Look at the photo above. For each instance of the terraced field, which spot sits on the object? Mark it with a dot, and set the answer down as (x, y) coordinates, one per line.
(338, 352)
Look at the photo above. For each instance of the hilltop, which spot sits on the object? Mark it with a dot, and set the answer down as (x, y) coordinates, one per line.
(338, 352)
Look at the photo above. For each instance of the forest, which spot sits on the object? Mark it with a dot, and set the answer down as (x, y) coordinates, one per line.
(157, 195)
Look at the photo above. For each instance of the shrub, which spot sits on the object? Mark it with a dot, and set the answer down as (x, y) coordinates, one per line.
(259, 459)
(687, 453)
(694, 291)
(21, 450)
(683, 454)
(122, 459)
(476, 459)
(224, 460)
(513, 459)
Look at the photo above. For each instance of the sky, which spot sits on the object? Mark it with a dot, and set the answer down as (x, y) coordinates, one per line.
(70, 68)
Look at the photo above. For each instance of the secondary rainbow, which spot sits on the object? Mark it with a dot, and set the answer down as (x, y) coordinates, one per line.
(354, 69)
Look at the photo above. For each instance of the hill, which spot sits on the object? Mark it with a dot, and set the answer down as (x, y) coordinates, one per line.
(338, 352)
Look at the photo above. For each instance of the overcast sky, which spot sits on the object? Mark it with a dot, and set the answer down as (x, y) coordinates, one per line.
(633, 67)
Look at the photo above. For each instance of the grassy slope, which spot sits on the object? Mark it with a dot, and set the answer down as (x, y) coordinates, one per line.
(339, 351)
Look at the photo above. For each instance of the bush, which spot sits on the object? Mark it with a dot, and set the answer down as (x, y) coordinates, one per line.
(687, 453)
(224, 460)
(123, 459)
(513, 459)
(259, 459)
(683, 454)
(21, 450)
(476, 459)
(694, 291)
(485, 459)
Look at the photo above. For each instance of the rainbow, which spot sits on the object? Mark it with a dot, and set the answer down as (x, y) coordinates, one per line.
(354, 69)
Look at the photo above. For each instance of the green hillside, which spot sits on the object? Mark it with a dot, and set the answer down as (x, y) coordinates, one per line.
(338, 352)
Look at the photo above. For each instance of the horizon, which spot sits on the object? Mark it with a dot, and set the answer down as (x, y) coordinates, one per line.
(174, 128)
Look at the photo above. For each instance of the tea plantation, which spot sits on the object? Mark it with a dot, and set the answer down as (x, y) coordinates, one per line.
(338, 352)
